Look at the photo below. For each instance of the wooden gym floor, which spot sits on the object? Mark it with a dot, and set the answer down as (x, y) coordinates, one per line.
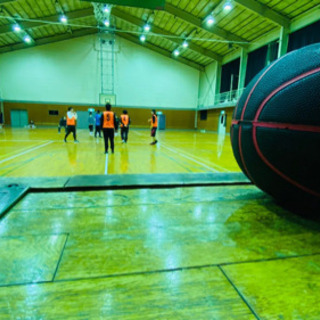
(214, 252)
(183, 253)
(42, 153)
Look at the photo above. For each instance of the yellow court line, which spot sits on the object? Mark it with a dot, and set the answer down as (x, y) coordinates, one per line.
(25, 152)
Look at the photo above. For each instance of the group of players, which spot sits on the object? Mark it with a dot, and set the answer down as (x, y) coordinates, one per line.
(108, 123)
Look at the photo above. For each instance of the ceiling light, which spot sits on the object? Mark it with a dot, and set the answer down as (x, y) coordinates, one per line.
(185, 44)
(63, 19)
(16, 28)
(176, 52)
(227, 6)
(106, 9)
(146, 28)
(106, 23)
(142, 38)
(27, 39)
(210, 20)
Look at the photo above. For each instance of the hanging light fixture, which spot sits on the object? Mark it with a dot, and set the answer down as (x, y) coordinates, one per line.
(146, 27)
(227, 6)
(176, 52)
(210, 20)
(27, 39)
(142, 38)
(16, 28)
(185, 44)
(63, 19)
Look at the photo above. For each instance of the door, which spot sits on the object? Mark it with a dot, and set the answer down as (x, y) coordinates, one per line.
(82, 122)
(161, 121)
(222, 123)
(19, 118)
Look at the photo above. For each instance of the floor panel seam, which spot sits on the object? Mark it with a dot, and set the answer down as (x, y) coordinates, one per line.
(238, 292)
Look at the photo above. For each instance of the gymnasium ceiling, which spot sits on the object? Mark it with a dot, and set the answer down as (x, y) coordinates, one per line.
(245, 23)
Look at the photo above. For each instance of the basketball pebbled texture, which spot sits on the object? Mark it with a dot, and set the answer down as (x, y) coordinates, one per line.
(275, 131)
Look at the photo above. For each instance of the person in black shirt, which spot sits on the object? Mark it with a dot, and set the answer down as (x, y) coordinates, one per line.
(62, 123)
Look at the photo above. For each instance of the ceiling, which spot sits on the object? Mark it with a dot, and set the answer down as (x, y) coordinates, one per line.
(247, 21)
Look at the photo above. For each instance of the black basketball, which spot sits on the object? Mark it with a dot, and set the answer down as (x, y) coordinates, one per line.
(275, 132)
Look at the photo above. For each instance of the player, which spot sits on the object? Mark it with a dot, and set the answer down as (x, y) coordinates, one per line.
(124, 124)
(98, 124)
(90, 123)
(62, 123)
(109, 125)
(154, 126)
(71, 124)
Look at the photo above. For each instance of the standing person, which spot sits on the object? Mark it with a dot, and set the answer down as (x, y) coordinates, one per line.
(1, 120)
(91, 123)
(109, 125)
(71, 124)
(154, 126)
(98, 124)
(124, 124)
(62, 123)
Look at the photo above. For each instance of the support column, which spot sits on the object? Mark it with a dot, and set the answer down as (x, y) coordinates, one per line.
(243, 69)
(283, 42)
(1, 107)
(196, 119)
(217, 85)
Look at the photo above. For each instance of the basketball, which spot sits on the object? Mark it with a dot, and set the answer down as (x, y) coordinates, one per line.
(275, 131)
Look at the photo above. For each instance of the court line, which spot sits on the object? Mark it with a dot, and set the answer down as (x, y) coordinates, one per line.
(189, 158)
(106, 165)
(213, 164)
(25, 152)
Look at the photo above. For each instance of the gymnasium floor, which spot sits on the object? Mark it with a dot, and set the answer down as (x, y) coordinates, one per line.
(209, 252)
(42, 153)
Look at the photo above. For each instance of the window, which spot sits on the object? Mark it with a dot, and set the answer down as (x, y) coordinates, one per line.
(53, 112)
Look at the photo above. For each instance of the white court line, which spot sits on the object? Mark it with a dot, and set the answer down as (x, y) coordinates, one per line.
(184, 154)
(189, 158)
(25, 152)
(106, 165)
(215, 165)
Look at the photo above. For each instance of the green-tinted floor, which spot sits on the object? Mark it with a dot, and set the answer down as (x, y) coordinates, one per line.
(184, 253)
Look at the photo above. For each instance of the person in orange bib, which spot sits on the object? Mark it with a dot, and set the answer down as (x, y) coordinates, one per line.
(71, 124)
(124, 124)
(109, 125)
(154, 126)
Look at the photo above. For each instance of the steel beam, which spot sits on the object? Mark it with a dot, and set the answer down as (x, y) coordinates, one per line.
(191, 19)
(161, 51)
(265, 11)
(138, 22)
(42, 41)
(55, 18)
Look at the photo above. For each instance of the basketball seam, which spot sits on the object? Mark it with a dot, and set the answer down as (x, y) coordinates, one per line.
(283, 86)
(254, 131)
(277, 171)
(243, 111)
(279, 125)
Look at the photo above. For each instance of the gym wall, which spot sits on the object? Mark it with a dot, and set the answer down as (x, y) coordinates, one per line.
(39, 113)
(211, 123)
(69, 72)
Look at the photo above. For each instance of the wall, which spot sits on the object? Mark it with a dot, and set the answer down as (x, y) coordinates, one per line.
(39, 113)
(211, 124)
(207, 85)
(69, 72)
